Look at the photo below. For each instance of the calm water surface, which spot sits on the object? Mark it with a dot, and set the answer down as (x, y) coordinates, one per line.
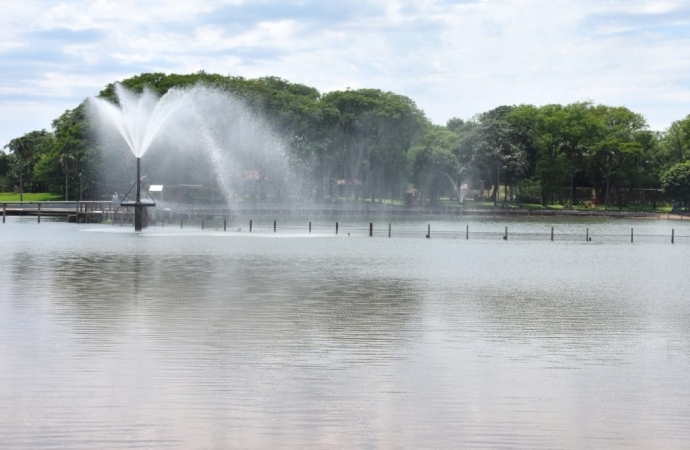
(188, 339)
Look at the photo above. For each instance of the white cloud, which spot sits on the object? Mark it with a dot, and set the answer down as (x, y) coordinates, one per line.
(454, 58)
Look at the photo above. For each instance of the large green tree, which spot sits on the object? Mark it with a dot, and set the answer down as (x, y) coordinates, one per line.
(373, 131)
(490, 149)
(674, 143)
(69, 154)
(676, 182)
(433, 163)
(563, 136)
(27, 151)
(613, 158)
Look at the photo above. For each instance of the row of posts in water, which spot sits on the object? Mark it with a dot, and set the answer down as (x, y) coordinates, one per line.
(588, 238)
(371, 228)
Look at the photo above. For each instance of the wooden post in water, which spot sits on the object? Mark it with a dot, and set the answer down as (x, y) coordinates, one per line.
(336, 228)
(181, 222)
(631, 235)
(4, 212)
(587, 235)
(39, 213)
(505, 236)
(250, 226)
(309, 227)
(225, 224)
(275, 225)
(551, 234)
(371, 229)
(673, 235)
(389, 230)
(428, 231)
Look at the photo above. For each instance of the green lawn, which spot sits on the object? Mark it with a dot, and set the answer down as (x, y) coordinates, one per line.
(581, 207)
(33, 197)
(471, 204)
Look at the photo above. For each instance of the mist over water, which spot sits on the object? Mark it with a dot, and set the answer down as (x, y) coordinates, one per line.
(196, 135)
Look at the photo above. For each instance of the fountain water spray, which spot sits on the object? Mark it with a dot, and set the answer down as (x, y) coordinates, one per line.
(138, 119)
(233, 139)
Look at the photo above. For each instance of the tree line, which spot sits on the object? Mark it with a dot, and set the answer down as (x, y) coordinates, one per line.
(371, 145)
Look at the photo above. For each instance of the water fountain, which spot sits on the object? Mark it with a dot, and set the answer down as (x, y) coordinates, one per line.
(216, 125)
(138, 120)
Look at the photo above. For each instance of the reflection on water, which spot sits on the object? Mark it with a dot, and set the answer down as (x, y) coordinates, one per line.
(109, 339)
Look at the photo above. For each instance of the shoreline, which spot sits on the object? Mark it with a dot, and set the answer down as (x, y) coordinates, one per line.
(96, 211)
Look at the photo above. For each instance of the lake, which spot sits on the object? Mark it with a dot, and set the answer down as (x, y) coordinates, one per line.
(183, 338)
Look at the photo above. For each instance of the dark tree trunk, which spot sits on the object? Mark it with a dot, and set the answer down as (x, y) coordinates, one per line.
(21, 180)
(608, 192)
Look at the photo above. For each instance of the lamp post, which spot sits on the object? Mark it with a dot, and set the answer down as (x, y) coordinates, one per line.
(498, 179)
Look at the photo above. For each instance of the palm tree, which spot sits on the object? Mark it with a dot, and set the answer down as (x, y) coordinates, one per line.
(21, 147)
(25, 148)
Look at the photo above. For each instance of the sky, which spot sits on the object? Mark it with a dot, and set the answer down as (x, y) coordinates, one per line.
(454, 58)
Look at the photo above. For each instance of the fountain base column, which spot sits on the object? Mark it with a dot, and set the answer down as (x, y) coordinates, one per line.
(141, 215)
(138, 216)
(138, 219)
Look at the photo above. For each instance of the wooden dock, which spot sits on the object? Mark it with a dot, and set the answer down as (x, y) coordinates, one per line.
(77, 211)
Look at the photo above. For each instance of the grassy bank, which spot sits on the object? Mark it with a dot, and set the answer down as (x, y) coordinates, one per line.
(452, 203)
(30, 197)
